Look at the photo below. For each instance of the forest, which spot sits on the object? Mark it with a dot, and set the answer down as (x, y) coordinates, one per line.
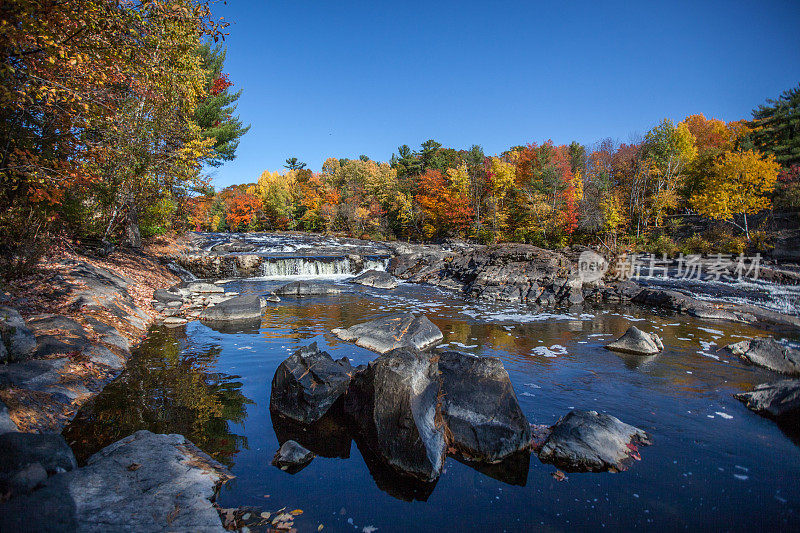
(112, 114)
(545, 194)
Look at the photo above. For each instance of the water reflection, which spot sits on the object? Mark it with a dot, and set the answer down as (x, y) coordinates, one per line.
(705, 442)
(166, 389)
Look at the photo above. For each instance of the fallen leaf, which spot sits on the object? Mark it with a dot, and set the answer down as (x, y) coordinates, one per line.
(296, 512)
(134, 466)
(558, 475)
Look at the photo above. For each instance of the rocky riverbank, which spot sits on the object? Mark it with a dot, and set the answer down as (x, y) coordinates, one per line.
(67, 331)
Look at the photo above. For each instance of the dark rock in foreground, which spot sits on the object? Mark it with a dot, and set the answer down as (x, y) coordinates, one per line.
(394, 403)
(588, 441)
(308, 383)
(406, 330)
(774, 400)
(767, 353)
(292, 457)
(306, 288)
(26, 459)
(239, 308)
(144, 482)
(377, 279)
(637, 342)
(480, 408)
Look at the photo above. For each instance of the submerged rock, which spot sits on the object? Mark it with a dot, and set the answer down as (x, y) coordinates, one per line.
(768, 353)
(238, 308)
(774, 400)
(394, 403)
(588, 441)
(377, 279)
(306, 288)
(292, 457)
(638, 342)
(144, 482)
(480, 408)
(308, 383)
(405, 330)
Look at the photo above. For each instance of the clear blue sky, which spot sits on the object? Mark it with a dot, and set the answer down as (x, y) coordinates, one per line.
(346, 78)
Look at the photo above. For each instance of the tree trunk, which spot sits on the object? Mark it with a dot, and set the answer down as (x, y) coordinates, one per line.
(132, 233)
(746, 229)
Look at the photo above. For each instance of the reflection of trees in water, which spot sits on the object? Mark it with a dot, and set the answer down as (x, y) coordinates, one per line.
(165, 390)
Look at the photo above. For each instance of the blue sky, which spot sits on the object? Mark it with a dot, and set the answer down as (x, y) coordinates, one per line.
(346, 78)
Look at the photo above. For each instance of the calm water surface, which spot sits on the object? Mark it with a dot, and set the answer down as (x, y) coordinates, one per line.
(713, 464)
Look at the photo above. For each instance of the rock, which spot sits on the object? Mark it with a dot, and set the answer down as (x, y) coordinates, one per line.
(377, 279)
(50, 450)
(174, 305)
(480, 408)
(174, 321)
(272, 297)
(25, 479)
(308, 383)
(18, 339)
(204, 288)
(102, 355)
(637, 342)
(774, 400)
(292, 457)
(166, 297)
(588, 441)
(56, 334)
(395, 331)
(394, 402)
(145, 482)
(768, 353)
(236, 309)
(306, 288)
(6, 423)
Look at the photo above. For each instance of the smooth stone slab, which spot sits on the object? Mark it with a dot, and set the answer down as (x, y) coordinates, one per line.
(405, 330)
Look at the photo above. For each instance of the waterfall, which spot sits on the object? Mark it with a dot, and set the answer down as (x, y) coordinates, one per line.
(317, 267)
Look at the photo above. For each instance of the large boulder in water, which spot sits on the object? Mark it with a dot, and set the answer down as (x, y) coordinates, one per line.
(768, 353)
(637, 342)
(588, 441)
(480, 408)
(377, 279)
(394, 403)
(308, 383)
(405, 330)
(306, 288)
(237, 309)
(774, 400)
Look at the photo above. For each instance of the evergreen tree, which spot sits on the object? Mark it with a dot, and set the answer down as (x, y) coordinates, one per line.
(776, 128)
(214, 114)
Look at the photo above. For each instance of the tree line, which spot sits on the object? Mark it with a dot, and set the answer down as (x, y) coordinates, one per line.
(545, 194)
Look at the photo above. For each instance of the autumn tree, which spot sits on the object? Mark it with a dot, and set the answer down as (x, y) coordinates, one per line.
(740, 185)
(668, 150)
(444, 204)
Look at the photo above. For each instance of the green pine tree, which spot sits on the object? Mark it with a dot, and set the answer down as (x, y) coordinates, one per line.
(776, 128)
(215, 114)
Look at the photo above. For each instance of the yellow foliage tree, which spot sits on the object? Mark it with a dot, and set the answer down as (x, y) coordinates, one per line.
(739, 185)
